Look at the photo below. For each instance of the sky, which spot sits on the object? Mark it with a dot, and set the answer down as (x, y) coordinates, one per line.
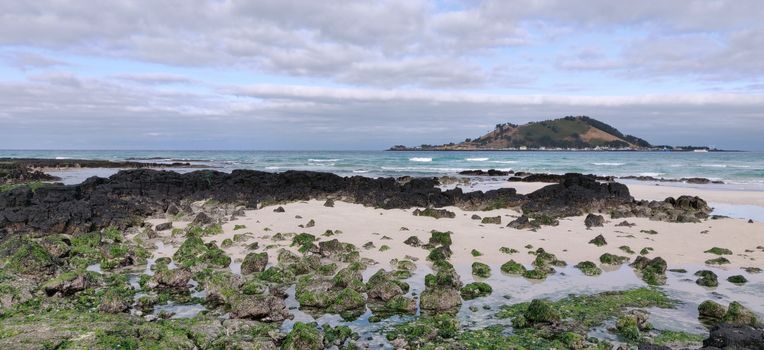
(333, 75)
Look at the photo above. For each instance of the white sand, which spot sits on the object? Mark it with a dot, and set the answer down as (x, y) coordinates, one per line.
(679, 243)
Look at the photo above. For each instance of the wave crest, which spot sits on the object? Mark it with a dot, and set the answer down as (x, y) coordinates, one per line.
(420, 159)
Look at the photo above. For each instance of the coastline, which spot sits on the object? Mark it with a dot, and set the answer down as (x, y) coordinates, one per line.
(203, 233)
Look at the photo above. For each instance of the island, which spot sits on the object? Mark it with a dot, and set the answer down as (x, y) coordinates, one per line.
(571, 133)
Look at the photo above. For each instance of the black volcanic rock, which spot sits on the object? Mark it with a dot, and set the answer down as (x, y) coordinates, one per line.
(88, 163)
(550, 178)
(575, 195)
(727, 336)
(12, 173)
(125, 199)
(489, 172)
(594, 220)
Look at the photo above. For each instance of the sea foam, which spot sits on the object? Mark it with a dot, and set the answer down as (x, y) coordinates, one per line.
(323, 160)
(420, 159)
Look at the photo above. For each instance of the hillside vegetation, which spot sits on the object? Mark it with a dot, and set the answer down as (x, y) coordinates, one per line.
(568, 133)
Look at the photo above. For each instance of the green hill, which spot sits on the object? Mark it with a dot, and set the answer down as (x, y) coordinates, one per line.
(567, 133)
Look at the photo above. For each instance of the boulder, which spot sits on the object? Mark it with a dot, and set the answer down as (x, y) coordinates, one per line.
(163, 226)
(729, 336)
(254, 262)
(202, 219)
(491, 220)
(267, 308)
(413, 241)
(176, 279)
(593, 220)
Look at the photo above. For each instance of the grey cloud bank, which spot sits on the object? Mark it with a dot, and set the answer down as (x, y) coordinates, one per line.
(366, 75)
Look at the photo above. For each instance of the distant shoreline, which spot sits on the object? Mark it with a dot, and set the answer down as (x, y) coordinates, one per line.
(556, 150)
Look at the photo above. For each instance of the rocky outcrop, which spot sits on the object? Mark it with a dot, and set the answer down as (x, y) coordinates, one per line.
(575, 195)
(550, 178)
(267, 308)
(254, 262)
(689, 180)
(87, 163)
(489, 172)
(129, 196)
(727, 336)
(13, 173)
(681, 209)
(594, 220)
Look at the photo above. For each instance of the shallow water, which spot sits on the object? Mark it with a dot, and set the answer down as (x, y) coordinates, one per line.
(741, 170)
(739, 211)
(509, 289)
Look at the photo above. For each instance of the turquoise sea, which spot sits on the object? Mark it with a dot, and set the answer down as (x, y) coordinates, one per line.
(739, 170)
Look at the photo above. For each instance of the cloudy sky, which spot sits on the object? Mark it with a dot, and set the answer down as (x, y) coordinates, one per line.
(306, 74)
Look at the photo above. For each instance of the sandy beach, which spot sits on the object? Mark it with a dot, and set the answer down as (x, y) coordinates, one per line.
(678, 243)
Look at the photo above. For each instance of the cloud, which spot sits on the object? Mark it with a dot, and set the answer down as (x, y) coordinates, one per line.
(349, 74)
(52, 112)
(355, 95)
(29, 61)
(390, 43)
(154, 78)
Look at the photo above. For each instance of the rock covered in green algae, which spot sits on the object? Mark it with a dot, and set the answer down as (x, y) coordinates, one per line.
(113, 302)
(26, 257)
(435, 213)
(440, 238)
(441, 291)
(632, 325)
(598, 241)
(513, 268)
(737, 279)
(535, 274)
(653, 271)
(719, 251)
(304, 336)
(545, 261)
(611, 259)
(176, 279)
(707, 278)
(269, 308)
(738, 314)
(481, 270)
(491, 220)
(592, 310)
(712, 311)
(383, 286)
(589, 268)
(71, 282)
(539, 311)
(424, 330)
(58, 246)
(475, 290)
(254, 262)
(718, 261)
(341, 294)
(194, 251)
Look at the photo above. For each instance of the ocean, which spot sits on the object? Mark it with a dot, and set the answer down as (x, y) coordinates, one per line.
(739, 170)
